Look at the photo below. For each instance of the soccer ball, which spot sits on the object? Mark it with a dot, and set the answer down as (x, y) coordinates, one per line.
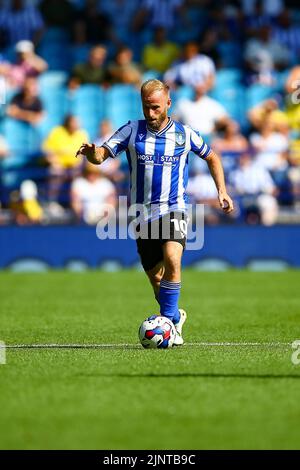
(157, 332)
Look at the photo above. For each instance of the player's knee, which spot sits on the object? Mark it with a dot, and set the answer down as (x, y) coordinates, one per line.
(155, 279)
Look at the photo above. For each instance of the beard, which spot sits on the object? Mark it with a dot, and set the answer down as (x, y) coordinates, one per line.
(155, 124)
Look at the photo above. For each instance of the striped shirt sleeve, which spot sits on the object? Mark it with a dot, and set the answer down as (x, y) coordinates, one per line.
(198, 146)
(119, 141)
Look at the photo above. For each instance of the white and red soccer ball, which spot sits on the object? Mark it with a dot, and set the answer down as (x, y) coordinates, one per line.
(157, 332)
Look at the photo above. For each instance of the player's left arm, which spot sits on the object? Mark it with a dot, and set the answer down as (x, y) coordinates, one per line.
(216, 170)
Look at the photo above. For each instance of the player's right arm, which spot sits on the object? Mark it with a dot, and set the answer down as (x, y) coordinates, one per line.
(93, 154)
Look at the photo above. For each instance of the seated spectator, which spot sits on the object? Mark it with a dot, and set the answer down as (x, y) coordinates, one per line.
(93, 71)
(62, 143)
(263, 55)
(91, 195)
(4, 151)
(292, 87)
(94, 24)
(287, 34)
(111, 166)
(24, 204)
(202, 113)
(157, 13)
(209, 40)
(20, 21)
(26, 106)
(254, 192)
(194, 69)
(271, 147)
(257, 17)
(160, 54)
(272, 8)
(28, 64)
(267, 110)
(123, 70)
(57, 13)
(229, 144)
(202, 190)
(60, 148)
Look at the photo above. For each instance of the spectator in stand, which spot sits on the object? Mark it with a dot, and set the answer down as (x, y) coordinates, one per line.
(263, 55)
(209, 41)
(202, 113)
(161, 53)
(28, 64)
(92, 195)
(57, 13)
(202, 190)
(60, 147)
(123, 69)
(26, 106)
(257, 17)
(267, 110)
(271, 8)
(287, 34)
(20, 21)
(119, 14)
(271, 147)
(229, 144)
(194, 69)
(111, 167)
(94, 24)
(25, 205)
(158, 13)
(93, 71)
(292, 88)
(254, 192)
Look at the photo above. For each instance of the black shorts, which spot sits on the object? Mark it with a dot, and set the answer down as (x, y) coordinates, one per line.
(170, 227)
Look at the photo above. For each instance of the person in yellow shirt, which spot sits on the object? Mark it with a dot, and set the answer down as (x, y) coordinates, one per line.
(160, 54)
(62, 141)
(59, 147)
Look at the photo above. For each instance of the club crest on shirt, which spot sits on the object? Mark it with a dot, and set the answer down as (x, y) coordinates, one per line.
(179, 138)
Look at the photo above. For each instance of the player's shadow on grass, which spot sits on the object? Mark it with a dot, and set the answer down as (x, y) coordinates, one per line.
(199, 375)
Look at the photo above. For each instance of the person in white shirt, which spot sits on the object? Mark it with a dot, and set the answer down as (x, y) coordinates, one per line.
(193, 70)
(92, 195)
(202, 113)
(271, 147)
(254, 188)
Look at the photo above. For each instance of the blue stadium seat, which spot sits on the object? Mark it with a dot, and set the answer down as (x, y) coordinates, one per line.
(88, 104)
(53, 79)
(58, 57)
(123, 104)
(230, 53)
(233, 99)
(56, 104)
(227, 77)
(20, 136)
(257, 93)
(80, 54)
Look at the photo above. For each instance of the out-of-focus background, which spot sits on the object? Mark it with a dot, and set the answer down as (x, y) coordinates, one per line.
(70, 71)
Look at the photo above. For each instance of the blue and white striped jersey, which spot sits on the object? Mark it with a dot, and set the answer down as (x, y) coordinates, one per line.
(158, 163)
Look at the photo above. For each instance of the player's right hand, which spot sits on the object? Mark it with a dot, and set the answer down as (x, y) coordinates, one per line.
(88, 150)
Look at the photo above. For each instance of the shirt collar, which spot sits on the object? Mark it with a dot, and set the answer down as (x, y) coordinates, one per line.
(164, 129)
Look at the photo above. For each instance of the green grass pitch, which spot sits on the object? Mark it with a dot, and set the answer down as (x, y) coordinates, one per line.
(195, 397)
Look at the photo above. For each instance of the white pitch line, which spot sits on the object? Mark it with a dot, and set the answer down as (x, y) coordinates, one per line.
(138, 346)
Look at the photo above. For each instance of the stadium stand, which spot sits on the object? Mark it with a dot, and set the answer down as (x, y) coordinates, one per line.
(62, 47)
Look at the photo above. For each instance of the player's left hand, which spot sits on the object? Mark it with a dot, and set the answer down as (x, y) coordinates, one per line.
(225, 202)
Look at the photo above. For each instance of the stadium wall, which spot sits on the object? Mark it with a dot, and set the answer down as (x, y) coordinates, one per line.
(78, 248)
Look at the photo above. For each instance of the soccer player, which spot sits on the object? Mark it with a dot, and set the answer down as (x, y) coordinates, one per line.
(157, 149)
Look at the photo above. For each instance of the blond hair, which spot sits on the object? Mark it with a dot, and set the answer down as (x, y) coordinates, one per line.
(150, 86)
